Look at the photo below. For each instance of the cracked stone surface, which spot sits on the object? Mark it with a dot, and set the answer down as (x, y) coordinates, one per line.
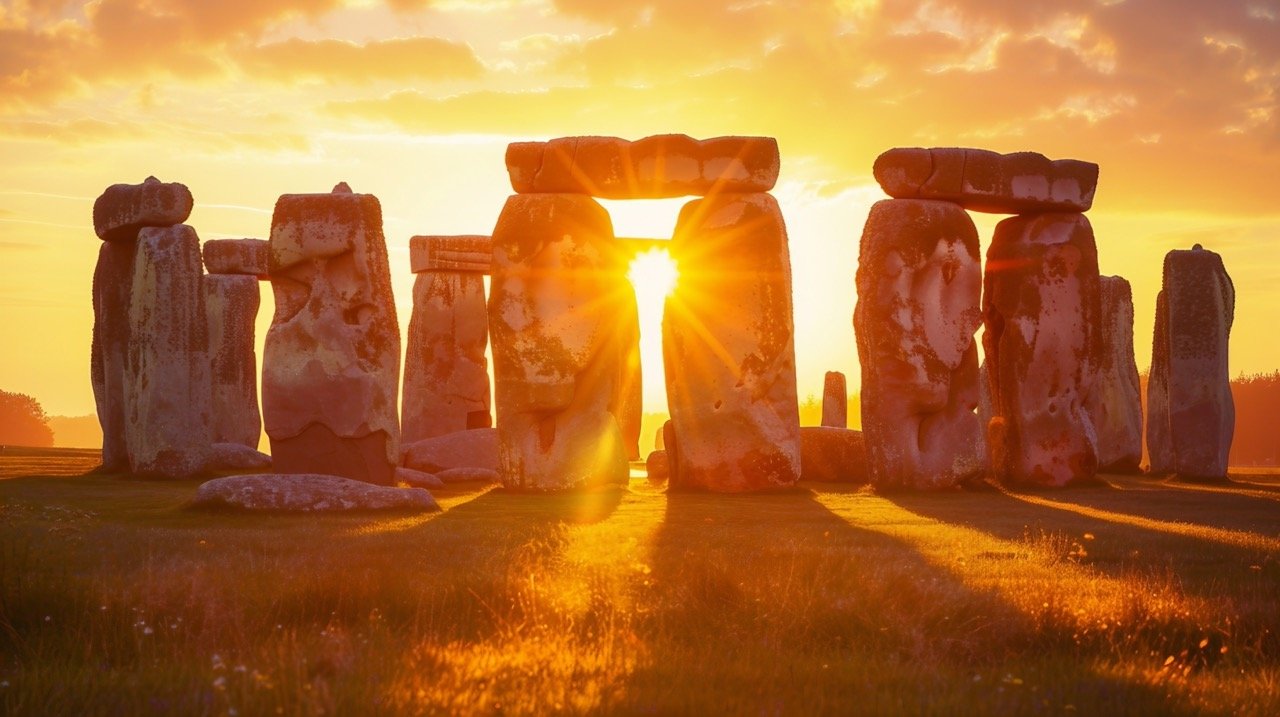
(985, 181)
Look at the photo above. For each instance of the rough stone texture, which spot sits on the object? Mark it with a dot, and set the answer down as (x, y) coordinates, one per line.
(557, 292)
(109, 361)
(418, 479)
(835, 401)
(919, 290)
(331, 363)
(984, 181)
(464, 449)
(657, 468)
(1159, 448)
(235, 457)
(833, 455)
(465, 252)
(728, 348)
(123, 209)
(670, 165)
(466, 475)
(1115, 403)
(446, 374)
(629, 403)
(1041, 310)
(167, 382)
(1200, 308)
(237, 256)
(308, 493)
(232, 304)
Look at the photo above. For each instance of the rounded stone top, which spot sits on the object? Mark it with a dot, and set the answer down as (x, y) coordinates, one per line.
(1197, 247)
(341, 188)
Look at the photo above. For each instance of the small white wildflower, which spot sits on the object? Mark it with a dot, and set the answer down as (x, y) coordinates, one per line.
(48, 618)
(220, 682)
(147, 631)
(241, 668)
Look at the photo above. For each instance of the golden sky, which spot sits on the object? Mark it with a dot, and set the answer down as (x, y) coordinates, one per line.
(415, 101)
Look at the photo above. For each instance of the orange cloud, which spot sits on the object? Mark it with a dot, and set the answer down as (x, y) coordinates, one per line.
(335, 60)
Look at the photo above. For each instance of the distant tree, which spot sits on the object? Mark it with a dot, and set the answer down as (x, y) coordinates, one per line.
(1257, 437)
(23, 421)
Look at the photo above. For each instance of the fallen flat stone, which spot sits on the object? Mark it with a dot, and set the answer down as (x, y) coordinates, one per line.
(467, 475)
(986, 181)
(331, 360)
(1115, 403)
(237, 256)
(308, 493)
(470, 253)
(835, 400)
(465, 449)
(660, 166)
(418, 479)
(231, 301)
(123, 209)
(833, 455)
(236, 457)
(657, 467)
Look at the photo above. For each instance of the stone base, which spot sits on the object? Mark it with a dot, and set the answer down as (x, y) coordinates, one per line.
(319, 450)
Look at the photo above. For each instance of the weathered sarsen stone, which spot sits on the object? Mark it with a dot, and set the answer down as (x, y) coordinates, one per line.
(446, 374)
(167, 382)
(231, 301)
(1159, 450)
(835, 401)
(470, 253)
(476, 448)
(1115, 403)
(728, 348)
(670, 165)
(237, 256)
(555, 297)
(308, 493)
(331, 361)
(629, 399)
(1041, 311)
(1200, 308)
(985, 181)
(112, 287)
(123, 209)
(833, 455)
(919, 289)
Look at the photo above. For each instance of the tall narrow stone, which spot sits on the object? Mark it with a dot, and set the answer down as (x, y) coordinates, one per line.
(1041, 311)
(167, 381)
(1200, 308)
(112, 287)
(835, 401)
(232, 301)
(446, 374)
(919, 287)
(728, 348)
(630, 396)
(1115, 403)
(331, 363)
(1159, 448)
(556, 295)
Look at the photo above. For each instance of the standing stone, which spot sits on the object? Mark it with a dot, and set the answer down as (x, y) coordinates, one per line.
(1041, 312)
(331, 363)
(919, 287)
(1159, 447)
(231, 301)
(446, 374)
(835, 401)
(167, 382)
(556, 294)
(1200, 308)
(728, 348)
(630, 403)
(1115, 404)
(112, 286)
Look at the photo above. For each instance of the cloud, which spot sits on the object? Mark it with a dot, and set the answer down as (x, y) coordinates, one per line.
(336, 60)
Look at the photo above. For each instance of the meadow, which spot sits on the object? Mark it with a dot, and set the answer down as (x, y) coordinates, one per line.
(1138, 596)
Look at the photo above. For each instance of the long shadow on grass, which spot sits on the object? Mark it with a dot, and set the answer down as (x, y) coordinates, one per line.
(773, 603)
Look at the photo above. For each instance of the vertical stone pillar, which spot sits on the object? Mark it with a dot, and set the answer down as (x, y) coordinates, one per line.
(1115, 403)
(728, 348)
(835, 401)
(331, 363)
(446, 374)
(919, 289)
(118, 215)
(232, 299)
(1159, 447)
(167, 382)
(555, 298)
(1200, 307)
(630, 396)
(1041, 311)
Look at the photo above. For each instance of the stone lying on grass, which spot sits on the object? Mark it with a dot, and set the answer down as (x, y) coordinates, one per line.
(307, 493)
(985, 181)
(418, 479)
(657, 467)
(477, 448)
(832, 455)
(235, 457)
(123, 209)
(464, 475)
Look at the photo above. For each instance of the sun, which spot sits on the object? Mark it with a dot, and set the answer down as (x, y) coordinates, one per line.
(653, 274)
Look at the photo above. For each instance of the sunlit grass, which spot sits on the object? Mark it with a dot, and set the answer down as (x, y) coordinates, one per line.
(114, 599)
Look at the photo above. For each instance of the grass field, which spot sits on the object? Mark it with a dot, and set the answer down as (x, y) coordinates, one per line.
(1145, 597)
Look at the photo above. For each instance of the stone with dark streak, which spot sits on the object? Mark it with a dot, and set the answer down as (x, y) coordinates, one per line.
(231, 301)
(1115, 403)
